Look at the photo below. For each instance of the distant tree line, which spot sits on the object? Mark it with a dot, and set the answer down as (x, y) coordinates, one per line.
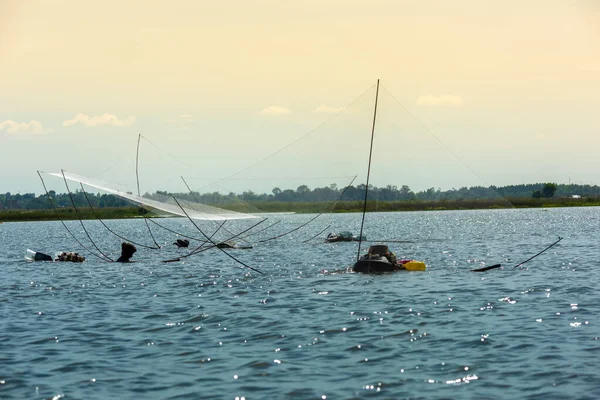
(29, 201)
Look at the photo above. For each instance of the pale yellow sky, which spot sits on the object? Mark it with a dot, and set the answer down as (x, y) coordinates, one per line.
(489, 78)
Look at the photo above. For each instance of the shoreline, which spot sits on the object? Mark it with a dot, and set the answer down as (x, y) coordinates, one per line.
(69, 214)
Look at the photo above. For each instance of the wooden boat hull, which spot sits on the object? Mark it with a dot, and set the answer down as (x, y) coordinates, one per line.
(374, 266)
(382, 264)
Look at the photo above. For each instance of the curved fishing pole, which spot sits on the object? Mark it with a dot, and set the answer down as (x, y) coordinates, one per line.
(519, 264)
(293, 230)
(308, 240)
(202, 247)
(137, 179)
(211, 236)
(79, 217)
(311, 220)
(262, 230)
(198, 201)
(140, 136)
(368, 172)
(106, 226)
(191, 237)
(203, 234)
(531, 258)
(333, 208)
(63, 222)
(175, 232)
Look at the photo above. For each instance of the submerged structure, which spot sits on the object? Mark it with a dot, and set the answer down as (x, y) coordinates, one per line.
(345, 236)
(379, 259)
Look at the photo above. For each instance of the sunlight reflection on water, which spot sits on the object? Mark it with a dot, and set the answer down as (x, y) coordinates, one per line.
(208, 328)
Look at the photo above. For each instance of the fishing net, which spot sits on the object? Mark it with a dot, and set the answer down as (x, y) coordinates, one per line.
(160, 203)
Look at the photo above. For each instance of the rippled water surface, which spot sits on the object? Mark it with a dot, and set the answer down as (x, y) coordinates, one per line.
(209, 328)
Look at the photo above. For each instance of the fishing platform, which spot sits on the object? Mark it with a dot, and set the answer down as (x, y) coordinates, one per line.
(380, 259)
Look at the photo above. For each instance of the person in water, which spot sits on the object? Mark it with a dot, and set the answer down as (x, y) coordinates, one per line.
(127, 250)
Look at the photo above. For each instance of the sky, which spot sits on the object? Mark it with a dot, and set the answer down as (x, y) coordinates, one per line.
(243, 95)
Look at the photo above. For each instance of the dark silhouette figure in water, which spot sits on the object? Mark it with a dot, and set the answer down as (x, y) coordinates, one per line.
(127, 250)
(182, 243)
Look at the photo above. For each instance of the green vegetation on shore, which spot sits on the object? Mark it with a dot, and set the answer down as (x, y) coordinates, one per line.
(29, 207)
(313, 207)
(68, 214)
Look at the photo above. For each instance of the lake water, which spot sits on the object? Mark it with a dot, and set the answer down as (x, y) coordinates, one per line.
(209, 328)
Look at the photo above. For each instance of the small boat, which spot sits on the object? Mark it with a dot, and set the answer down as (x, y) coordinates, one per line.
(345, 236)
(379, 258)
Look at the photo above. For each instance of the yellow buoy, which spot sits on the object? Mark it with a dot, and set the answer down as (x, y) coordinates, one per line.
(414, 266)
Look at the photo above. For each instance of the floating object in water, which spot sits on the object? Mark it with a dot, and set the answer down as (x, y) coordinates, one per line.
(232, 245)
(380, 259)
(66, 256)
(519, 264)
(31, 255)
(344, 236)
(70, 256)
(182, 243)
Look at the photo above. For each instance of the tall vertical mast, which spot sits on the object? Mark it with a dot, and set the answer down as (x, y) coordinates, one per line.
(362, 224)
(137, 179)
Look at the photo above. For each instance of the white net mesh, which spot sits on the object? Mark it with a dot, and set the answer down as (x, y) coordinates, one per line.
(166, 204)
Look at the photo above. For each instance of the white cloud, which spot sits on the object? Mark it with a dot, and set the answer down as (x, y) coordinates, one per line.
(185, 116)
(446, 100)
(323, 108)
(104, 119)
(22, 127)
(275, 110)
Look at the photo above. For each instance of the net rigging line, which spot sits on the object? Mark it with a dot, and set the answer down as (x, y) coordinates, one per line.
(368, 172)
(63, 222)
(216, 182)
(212, 235)
(210, 240)
(294, 141)
(137, 178)
(311, 220)
(202, 247)
(271, 155)
(428, 131)
(324, 229)
(187, 166)
(198, 201)
(173, 231)
(152, 220)
(80, 221)
(262, 230)
(106, 226)
(139, 194)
